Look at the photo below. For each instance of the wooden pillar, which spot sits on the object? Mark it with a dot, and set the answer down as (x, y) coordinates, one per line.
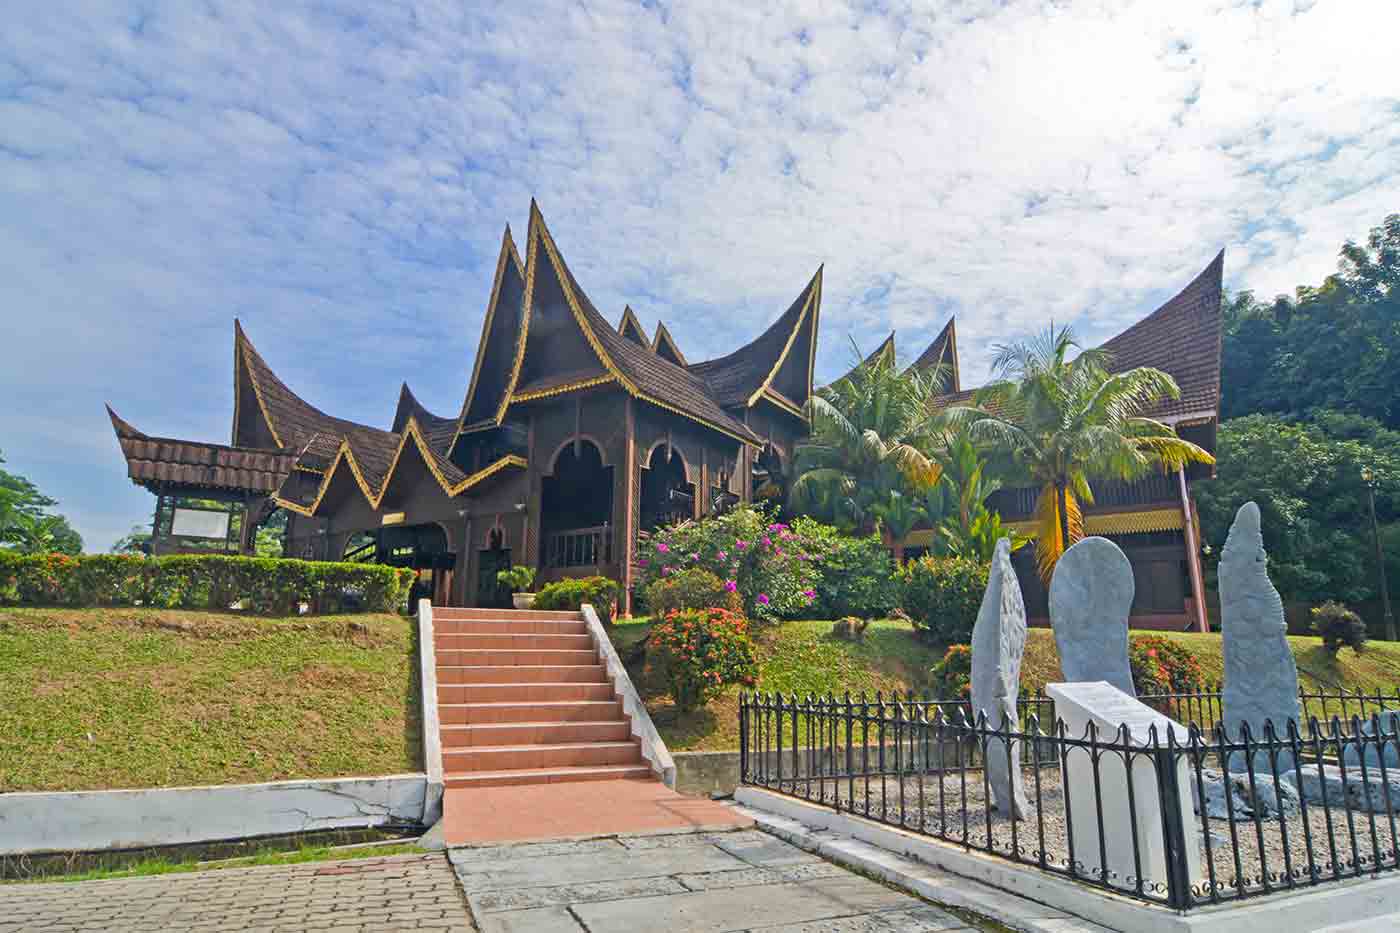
(629, 531)
(1193, 553)
(702, 482)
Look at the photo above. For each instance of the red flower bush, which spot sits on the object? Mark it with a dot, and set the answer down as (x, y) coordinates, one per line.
(701, 651)
(1160, 665)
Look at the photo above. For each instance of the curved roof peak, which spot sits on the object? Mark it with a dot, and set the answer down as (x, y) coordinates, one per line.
(665, 346)
(943, 350)
(488, 393)
(631, 328)
(741, 378)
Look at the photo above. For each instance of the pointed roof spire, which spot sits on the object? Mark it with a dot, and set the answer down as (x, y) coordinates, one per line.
(631, 328)
(944, 350)
(502, 341)
(885, 351)
(741, 377)
(665, 346)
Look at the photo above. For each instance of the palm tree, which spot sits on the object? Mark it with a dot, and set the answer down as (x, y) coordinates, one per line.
(869, 432)
(1067, 421)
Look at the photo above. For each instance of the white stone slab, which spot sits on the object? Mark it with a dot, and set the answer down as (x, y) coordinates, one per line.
(85, 821)
(1108, 708)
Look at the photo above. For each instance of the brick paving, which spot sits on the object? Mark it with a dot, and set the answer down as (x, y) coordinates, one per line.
(404, 892)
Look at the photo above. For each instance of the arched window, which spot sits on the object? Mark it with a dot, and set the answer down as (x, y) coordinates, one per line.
(667, 497)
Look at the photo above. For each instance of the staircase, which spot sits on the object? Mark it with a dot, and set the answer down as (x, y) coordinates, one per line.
(524, 698)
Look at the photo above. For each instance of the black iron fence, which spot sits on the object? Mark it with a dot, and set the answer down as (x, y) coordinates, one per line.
(1178, 816)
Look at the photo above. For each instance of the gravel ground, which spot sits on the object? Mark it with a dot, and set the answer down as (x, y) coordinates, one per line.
(945, 819)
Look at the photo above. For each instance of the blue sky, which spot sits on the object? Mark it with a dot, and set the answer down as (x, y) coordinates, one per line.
(338, 174)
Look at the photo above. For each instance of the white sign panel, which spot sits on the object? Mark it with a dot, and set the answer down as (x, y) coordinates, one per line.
(197, 523)
(1109, 708)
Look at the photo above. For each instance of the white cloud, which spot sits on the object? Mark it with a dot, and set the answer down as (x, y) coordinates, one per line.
(338, 173)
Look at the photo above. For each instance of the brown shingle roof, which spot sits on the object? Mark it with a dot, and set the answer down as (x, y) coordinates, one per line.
(665, 346)
(1181, 338)
(735, 378)
(631, 328)
(159, 461)
(439, 431)
(494, 370)
(655, 379)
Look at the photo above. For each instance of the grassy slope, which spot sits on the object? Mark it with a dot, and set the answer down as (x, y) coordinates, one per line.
(105, 698)
(802, 657)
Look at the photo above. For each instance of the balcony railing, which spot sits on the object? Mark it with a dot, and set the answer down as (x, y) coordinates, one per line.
(578, 547)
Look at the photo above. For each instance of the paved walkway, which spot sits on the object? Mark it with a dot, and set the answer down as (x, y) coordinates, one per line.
(581, 809)
(406, 892)
(698, 883)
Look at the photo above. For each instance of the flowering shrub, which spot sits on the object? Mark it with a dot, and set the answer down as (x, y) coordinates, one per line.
(941, 596)
(702, 650)
(855, 575)
(756, 556)
(691, 589)
(262, 584)
(1160, 665)
(572, 592)
(951, 678)
(1338, 627)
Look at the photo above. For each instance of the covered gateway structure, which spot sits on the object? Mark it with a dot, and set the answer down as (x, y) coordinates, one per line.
(573, 435)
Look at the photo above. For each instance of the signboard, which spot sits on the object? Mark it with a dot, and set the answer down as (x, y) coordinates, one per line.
(199, 523)
(392, 518)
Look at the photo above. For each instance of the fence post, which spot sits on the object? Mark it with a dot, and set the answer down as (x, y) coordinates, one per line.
(1173, 831)
(743, 737)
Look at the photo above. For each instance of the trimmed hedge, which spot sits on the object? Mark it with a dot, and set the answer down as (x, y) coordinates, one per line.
(572, 592)
(692, 589)
(274, 586)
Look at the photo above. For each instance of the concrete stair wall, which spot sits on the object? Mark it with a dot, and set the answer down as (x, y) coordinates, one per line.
(524, 698)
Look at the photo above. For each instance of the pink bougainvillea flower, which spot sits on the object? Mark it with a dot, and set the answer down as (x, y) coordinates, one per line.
(643, 562)
(763, 598)
(694, 556)
(730, 585)
(810, 594)
(722, 555)
(661, 547)
(665, 571)
(741, 544)
(767, 541)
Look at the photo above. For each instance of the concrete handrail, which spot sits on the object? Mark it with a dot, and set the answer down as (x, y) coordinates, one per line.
(653, 748)
(432, 725)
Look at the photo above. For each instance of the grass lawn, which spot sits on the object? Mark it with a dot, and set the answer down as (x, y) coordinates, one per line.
(171, 865)
(802, 657)
(109, 698)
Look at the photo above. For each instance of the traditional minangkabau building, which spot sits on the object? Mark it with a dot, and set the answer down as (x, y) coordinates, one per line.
(572, 437)
(1153, 519)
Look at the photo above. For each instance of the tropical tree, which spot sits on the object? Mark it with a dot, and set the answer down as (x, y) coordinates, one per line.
(869, 433)
(25, 522)
(1065, 422)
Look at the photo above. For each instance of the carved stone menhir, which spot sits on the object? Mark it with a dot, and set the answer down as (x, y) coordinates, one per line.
(998, 642)
(1261, 678)
(1091, 594)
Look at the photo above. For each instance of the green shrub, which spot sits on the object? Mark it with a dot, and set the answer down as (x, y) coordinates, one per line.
(185, 581)
(855, 576)
(700, 651)
(748, 546)
(692, 589)
(1160, 665)
(519, 578)
(572, 592)
(1338, 626)
(941, 596)
(951, 678)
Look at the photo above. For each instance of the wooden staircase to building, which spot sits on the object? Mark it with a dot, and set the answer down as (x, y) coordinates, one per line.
(524, 698)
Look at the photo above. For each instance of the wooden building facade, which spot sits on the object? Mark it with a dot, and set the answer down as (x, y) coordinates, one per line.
(573, 436)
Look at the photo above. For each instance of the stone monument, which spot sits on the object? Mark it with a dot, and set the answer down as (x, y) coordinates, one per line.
(1125, 816)
(1261, 678)
(998, 641)
(1091, 594)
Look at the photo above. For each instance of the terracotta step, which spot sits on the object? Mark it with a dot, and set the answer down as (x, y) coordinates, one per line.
(504, 615)
(563, 755)
(506, 627)
(538, 711)
(480, 735)
(531, 692)
(502, 657)
(475, 641)
(546, 776)
(518, 674)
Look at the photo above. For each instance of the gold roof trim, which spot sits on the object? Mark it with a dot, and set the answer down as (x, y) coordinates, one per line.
(507, 251)
(812, 299)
